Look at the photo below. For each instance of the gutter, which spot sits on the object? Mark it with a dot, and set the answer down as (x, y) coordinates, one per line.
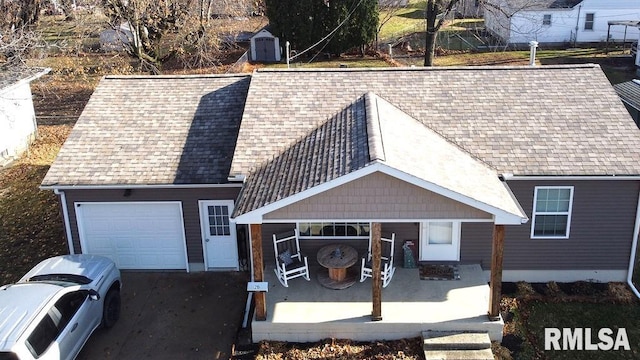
(634, 247)
(65, 215)
(137, 186)
(508, 177)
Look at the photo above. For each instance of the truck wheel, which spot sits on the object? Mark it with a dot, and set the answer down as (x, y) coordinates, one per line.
(111, 312)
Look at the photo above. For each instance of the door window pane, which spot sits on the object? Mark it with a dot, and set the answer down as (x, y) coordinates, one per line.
(440, 233)
(219, 220)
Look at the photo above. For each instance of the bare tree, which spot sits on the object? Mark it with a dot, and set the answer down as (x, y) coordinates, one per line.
(435, 15)
(16, 45)
(389, 9)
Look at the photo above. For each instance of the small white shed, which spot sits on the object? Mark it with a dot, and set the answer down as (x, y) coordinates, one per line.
(265, 47)
(18, 126)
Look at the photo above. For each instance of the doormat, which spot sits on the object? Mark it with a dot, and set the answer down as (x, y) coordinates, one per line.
(438, 272)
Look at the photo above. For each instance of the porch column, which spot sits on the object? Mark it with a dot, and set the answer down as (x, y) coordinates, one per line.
(496, 272)
(376, 276)
(258, 270)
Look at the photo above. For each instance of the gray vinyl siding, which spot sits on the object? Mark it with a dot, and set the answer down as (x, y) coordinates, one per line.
(190, 211)
(309, 247)
(601, 232)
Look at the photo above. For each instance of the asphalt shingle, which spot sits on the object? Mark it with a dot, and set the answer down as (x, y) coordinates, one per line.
(154, 130)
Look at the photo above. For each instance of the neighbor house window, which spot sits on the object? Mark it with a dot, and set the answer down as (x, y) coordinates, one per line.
(546, 19)
(324, 230)
(551, 212)
(588, 21)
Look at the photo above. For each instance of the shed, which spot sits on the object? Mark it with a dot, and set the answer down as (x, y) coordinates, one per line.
(265, 47)
(18, 126)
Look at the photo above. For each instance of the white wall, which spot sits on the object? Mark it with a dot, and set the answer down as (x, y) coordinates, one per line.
(17, 122)
(567, 25)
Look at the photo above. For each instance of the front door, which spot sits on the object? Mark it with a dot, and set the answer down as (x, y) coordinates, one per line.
(218, 234)
(440, 241)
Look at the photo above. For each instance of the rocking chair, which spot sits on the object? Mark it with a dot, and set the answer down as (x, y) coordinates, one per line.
(387, 269)
(290, 264)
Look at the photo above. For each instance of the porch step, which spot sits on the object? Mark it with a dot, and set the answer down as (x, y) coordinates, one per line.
(447, 345)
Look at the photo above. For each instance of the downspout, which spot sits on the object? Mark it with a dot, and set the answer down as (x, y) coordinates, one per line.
(634, 246)
(247, 307)
(65, 215)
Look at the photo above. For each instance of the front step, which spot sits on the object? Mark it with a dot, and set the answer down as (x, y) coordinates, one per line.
(446, 345)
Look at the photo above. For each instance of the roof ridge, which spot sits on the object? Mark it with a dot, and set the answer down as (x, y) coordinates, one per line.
(174, 76)
(374, 133)
(430, 69)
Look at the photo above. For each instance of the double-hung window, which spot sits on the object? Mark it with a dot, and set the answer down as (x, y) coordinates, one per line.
(589, 20)
(551, 212)
(546, 19)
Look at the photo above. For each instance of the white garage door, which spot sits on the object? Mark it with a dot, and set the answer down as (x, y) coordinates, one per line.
(144, 235)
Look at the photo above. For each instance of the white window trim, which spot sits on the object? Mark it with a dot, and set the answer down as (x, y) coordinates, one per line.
(592, 22)
(332, 237)
(568, 213)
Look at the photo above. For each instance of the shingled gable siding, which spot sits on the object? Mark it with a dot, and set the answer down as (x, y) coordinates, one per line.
(377, 196)
(310, 247)
(188, 197)
(602, 222)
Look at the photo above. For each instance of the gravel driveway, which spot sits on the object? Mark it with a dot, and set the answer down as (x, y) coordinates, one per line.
(171, 315)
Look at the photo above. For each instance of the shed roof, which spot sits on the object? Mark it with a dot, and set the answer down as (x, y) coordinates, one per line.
(14, 76)
(629, 92)
(148, 130)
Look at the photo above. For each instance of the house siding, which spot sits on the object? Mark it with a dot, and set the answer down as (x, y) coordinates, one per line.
(377, 196)
(190, 210)
(601, 232)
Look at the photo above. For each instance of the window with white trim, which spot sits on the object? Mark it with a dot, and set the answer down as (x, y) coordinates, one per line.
(546, 19)
(333, 230)
(589, 19)
(551, 212)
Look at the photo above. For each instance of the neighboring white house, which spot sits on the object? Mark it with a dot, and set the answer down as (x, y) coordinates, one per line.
(18, 126)
(517, 22)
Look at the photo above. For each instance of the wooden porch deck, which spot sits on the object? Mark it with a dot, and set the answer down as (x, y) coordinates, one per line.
(306, 311)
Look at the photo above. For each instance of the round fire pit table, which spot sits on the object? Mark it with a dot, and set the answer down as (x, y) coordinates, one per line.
(337, 258)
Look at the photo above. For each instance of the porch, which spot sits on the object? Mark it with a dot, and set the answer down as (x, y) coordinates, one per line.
(307, 311)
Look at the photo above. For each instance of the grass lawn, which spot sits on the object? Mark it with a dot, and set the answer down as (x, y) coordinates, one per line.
(538, 315)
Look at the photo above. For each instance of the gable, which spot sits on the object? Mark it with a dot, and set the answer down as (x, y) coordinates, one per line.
(376, 196)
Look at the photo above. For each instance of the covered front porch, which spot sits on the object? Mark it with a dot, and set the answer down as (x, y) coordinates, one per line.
(306, 311)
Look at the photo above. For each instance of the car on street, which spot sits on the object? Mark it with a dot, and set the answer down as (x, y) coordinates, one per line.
(55, 307)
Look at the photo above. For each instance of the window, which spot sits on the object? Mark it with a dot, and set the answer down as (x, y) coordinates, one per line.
(55, 321)
(323, 230)
(546, 19)
(588, 21)
(219, 220)
(551, 212)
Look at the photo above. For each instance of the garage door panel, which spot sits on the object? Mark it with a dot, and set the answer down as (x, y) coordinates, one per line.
(135, 235)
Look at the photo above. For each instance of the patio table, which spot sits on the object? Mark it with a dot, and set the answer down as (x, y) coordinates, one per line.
(337, 258)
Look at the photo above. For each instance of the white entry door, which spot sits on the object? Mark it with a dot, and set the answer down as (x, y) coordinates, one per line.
(440, 241)
(218, 234)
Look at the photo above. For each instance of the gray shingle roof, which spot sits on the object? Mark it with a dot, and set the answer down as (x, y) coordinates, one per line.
(366, 131)
(546, 120)
(11, 77)
(629, 92)
(542, 4)
(154, 130)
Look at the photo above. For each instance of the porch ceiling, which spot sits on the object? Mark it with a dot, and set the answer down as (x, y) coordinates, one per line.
(372, 135)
